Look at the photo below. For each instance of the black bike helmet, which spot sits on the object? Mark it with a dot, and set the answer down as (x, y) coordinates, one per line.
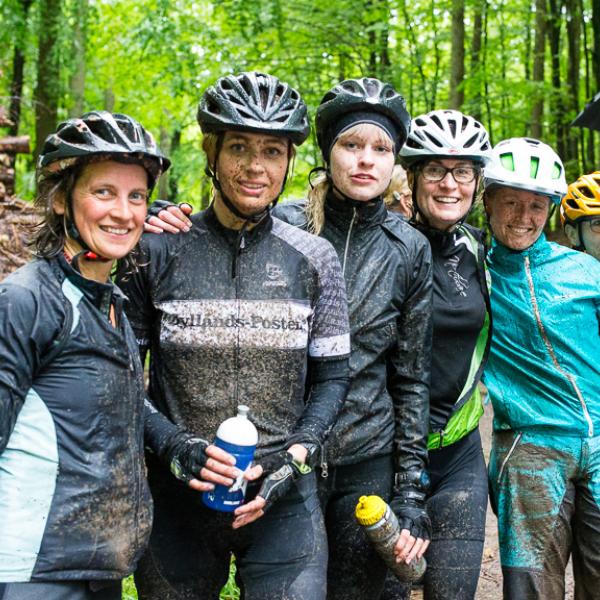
(254, 102)
(100, 133)
(360, 95)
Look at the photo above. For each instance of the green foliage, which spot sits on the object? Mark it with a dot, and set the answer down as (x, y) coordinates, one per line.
(154, 58)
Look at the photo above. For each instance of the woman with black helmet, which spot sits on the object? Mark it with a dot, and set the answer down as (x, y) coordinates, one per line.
(243, 309)
(444, 155)
(381, 432)
(75, 510)
(377, 446)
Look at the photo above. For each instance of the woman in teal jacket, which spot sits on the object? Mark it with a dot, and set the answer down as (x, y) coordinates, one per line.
(543, 378)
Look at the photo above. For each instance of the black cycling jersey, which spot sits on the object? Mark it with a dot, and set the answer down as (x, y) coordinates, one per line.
(459, 308)
(236, 321)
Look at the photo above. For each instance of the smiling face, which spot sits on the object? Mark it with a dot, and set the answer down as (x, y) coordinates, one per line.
(362, 162)
(444, 203)
(517, 217)
(109, 205)
(251, 169)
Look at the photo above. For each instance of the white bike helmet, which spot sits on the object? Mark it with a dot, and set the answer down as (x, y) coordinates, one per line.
(446, 134)
(527, 164)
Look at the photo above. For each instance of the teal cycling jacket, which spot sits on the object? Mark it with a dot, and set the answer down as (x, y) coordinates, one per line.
(544, 367)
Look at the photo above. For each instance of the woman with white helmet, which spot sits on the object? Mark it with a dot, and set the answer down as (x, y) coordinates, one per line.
(544, 381)
(444, 156)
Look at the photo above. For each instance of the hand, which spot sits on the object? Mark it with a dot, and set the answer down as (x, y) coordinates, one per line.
(408, 547)
(415, 525)
(165, 216)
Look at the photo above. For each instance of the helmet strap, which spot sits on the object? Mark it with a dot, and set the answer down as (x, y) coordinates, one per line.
(247, 219)
(74, 234)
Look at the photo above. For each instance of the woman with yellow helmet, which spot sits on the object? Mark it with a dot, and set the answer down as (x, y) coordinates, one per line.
(580, 214)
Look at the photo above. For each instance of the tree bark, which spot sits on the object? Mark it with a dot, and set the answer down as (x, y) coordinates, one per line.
(558, 110)
(476, 63)
(16, 84)
(574, 54)
(77, 82)
(539, 50)
(15, 145)
(457, 73)
(47, 90)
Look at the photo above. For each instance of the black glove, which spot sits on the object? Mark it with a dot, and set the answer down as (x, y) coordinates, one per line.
(186, 456)
(280, 470)
(157, 206)
(408, 503)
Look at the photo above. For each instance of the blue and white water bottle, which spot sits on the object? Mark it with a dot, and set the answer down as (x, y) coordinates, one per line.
(238, 436)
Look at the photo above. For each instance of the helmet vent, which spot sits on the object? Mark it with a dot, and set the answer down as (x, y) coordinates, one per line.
(470, 141)
(432, 139)
(556, 171)
(534, 166)
(508, 161)
(572, 203)
(437, 121)
(585, 190)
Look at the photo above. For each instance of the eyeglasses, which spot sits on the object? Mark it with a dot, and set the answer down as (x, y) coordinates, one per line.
(435, 173)
(595, 225)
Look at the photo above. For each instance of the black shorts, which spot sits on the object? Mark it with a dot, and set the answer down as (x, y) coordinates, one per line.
(281, 555)
(61, 590)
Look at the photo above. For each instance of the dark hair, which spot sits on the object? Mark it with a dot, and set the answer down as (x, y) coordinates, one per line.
(51, 234)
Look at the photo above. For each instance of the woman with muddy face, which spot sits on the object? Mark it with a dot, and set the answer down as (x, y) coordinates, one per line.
(444, 155)
(544, 381)
(378, 445)
(75, 510)
(243, 309)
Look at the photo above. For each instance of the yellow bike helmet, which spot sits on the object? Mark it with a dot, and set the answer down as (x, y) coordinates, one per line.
(582, 200)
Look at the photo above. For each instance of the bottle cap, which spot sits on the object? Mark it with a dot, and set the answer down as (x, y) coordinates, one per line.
(370, 509)
(243, 411)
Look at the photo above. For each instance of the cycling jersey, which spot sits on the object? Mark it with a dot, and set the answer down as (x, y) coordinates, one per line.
(461, 332)
(74, 503)
(236, 318)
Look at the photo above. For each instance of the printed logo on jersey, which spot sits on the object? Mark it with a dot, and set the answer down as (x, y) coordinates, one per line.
(227, 323)
(275, 276)
(461, 284)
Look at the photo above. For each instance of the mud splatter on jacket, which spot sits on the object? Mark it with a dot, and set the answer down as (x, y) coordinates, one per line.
(543, 374)
(239, 321)
(74, 503)
(387, 268)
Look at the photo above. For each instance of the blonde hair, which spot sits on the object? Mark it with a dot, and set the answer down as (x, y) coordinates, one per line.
(315, 207)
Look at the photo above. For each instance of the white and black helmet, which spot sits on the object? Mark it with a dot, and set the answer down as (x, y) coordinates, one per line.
(527, 164)
(446, 134)
(254, 102)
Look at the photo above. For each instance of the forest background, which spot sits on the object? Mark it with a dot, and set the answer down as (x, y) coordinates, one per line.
(523, 67)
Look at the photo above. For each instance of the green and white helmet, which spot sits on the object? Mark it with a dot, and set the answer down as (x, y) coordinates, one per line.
(527, 164)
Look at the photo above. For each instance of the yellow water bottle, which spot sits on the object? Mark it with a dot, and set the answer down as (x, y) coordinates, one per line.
(382, 529)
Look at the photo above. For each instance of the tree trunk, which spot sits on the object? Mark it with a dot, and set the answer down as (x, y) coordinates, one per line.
(539, 50)
(558, 110)
(77, 82)
(574, 46)
(47, 90)
(457, 72)
(15, 145)
(596, 52)
(476, 67)
(16, 84)
(587, 136)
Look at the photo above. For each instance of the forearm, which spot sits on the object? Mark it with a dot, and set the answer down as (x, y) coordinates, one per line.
(328, 388)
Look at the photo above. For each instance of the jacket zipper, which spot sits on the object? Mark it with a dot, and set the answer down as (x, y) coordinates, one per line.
(346, 247)
(550, 349)
(236, 272)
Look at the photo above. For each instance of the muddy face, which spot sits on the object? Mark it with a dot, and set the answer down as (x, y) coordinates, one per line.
(251, 169)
